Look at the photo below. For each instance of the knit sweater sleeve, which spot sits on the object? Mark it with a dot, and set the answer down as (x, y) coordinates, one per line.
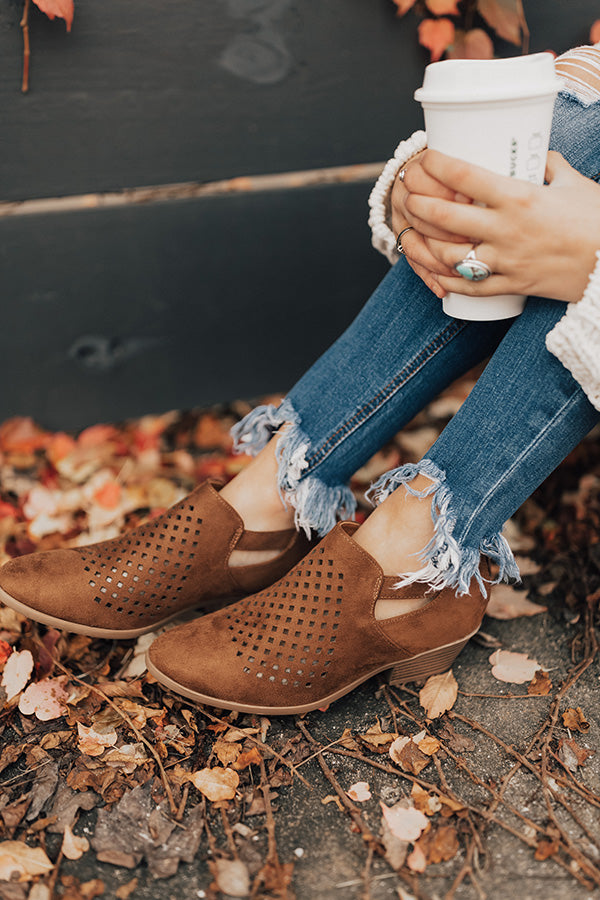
(575, 339)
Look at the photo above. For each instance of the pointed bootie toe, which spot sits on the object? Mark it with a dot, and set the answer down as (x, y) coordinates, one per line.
(128, 586)
(312, 636)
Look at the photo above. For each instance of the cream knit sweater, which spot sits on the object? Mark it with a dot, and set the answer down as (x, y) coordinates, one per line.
(575, 339)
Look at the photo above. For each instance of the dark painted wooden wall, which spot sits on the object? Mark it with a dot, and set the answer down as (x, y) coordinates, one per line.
(109, 312)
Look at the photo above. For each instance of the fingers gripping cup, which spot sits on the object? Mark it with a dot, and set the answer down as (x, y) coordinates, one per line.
(495, 113)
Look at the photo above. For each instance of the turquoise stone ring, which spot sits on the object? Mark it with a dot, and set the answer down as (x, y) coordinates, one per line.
(472, 268)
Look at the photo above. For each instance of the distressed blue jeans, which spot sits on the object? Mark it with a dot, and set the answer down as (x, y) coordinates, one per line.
(524, 415)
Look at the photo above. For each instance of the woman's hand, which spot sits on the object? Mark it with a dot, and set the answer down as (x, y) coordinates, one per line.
(417, 253)
(537, 240)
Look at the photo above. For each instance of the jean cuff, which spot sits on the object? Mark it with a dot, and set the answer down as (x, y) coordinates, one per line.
(317, 506)
(445, 562)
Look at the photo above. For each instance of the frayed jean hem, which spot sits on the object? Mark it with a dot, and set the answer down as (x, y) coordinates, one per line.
(445, 562)
(317, 506)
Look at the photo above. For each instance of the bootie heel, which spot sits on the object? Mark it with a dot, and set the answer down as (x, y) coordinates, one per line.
(434, 662)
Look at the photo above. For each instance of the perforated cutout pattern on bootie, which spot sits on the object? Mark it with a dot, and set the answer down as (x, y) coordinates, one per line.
(287, 633)
(148, 570)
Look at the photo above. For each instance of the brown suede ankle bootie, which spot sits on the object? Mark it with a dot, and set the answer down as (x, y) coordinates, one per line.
(130, 585)
(312, 637)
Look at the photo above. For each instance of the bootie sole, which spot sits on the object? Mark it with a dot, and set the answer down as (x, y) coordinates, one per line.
(431, 662)
(109, 633)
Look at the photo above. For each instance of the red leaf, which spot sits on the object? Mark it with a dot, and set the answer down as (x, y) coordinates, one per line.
(62, 8)
(436, 35)
(473, 44)
(443, 7)
(404, 6)
(505, 16)
(595, 32)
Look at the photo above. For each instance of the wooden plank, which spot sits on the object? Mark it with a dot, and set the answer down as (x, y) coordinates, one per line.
(152, 93)
(120, 312)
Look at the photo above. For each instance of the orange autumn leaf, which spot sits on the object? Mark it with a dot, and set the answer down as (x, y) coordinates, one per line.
(108, 495)
(404, 6)
(595, 32)
(247, 758)
(21, 435)
(59, 446)
(443, 7)
(473, 44)
(64, 9)
(437, 35)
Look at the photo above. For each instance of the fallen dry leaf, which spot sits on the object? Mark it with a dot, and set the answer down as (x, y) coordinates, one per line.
(46, 699)
(513, 668)
(359, 792)
(333, 798)
(376, 737)
(19, 862)
(425, 802)
(226, 752)
(438, 694)
(93, 742)
(545, 849)
(442, 844)
(571, 754)
(216, 783)
(406, 754)
(428, 745)
(540, 685)
(248, 758)
(508, 603)
(73, 845)
(17, 670)
(405, 824)
(575, 720)
(231, 876)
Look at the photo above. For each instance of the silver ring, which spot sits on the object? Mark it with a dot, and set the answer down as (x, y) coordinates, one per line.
(402, 173)
(471, 268)
(399, 246)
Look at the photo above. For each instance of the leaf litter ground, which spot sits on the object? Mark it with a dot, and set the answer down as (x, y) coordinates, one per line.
(479, 782)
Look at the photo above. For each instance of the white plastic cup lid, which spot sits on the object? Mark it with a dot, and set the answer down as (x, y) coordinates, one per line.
(476, 80)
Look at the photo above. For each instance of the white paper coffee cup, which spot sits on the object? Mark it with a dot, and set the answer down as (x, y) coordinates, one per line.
(495, 113)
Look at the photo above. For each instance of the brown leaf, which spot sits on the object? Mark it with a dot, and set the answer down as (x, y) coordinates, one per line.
(376, 737)
(227, 753)
(473, 44)
(64, 9)
(407, 755)
(125, 891)
(575, 720)
(506, 17)
(348, 741)
(438, 694)
(443, 844)
(436, 35)
(595, 32)
(507, 603)
(545, 849)
(416, 860)
(540, 685)
(333, 798)
(248, 758)
(216, 783)
(428, 745)
(425, 802)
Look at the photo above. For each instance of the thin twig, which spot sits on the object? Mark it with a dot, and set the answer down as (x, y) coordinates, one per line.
(26, 50)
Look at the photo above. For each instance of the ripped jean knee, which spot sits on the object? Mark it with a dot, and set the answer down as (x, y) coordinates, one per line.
(317, 506)
(445, 563)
